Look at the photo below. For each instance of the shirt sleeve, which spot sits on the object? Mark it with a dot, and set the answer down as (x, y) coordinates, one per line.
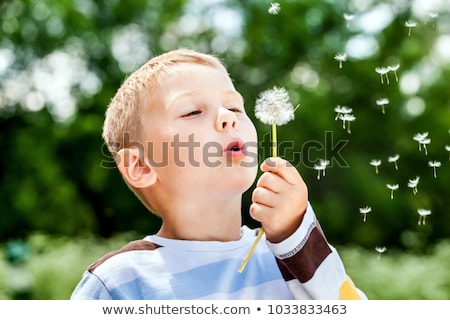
(91, 288)
(311, 267)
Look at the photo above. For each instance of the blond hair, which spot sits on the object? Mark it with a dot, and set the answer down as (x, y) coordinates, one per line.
(123, 116)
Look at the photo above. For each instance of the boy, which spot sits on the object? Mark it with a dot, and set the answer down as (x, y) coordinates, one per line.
(184, 144)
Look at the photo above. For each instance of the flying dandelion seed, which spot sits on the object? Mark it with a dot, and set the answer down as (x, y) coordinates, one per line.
(364, 211)
(376, 163)
(434, 165)
(413, 183)
(382, 102)
(448, 149)
(394, 159)
(410, 24)
(274, 108)
(348, 17)
(320, 167)
(347, 118)
(341, 57)
(433, 16)
(420, 137)
(394, 69)
(423, 213)
(274, 8)
(342, 110)
(392, 187)
(380, 251)
(383, 71)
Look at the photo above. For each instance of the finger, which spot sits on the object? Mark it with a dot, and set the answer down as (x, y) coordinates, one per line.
(264, 196)
(271, 181)
(282, 168)
(259, 212)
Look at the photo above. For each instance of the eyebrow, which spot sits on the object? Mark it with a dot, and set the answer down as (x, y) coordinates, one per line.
(187, 93)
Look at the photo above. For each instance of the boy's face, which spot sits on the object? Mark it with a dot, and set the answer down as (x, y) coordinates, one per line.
(198, 137)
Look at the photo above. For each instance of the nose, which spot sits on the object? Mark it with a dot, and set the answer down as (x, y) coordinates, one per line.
(226, 119)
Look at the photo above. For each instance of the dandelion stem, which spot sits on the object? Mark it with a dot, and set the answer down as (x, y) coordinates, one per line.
(261, 230)
(252, 249)
(274, 140)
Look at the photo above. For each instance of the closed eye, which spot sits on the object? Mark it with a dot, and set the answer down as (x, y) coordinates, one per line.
(191, 114)
(237, 110)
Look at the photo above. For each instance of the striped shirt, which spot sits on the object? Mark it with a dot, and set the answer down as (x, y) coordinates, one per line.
(304, 266)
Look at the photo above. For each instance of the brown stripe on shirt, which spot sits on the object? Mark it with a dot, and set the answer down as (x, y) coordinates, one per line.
(131, 246)
(304, 263)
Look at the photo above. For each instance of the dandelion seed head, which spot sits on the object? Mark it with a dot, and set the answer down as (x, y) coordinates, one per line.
(423, 212)
(348, 16)
(319, 166)
(347, 117)
(375, 162)
(380, 249)
(392, 186)
(273, 107)
(434, 164)
(382, 101)
(420, 136)
(410, 24)
(381, 70)
(343, 109)
(412, 183)
(447, 147)
(365, 209)
(394, 158)
(274, 8)
(394, 67)
(341, 56)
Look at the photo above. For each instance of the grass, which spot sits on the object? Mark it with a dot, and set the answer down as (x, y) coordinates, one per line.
(54, 266)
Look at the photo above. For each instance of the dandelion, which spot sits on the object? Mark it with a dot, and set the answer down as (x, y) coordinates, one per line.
(380, 250)
(364, 211)
(272, 107)
(423, 213)
(434, 165)
(348, 17)
(376, 163)
(341, 57)
(394, 159)
(392, 187)
(382, 102)
(394, 69)
(383, 71)
(448, 149)
(274, 8)
(342, 110)
(320, 167)
(410, 24)
(412, 183)
(347, 118)
(420, 137)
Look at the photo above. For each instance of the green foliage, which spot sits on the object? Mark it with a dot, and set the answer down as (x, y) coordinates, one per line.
(63, 62)
(55, 266)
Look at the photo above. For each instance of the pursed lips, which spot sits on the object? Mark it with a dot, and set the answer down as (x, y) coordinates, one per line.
(235, 149)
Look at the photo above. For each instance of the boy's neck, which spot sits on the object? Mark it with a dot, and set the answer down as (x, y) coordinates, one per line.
(210, 220)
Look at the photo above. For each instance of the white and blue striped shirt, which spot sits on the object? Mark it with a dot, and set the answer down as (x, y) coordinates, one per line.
(304, 266)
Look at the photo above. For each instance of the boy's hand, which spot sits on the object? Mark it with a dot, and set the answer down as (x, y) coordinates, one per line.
(279, 199)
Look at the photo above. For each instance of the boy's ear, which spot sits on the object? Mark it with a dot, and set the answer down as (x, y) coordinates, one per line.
(134, 169)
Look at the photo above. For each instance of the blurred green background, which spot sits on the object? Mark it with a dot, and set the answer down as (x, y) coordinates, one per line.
(61, 62)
